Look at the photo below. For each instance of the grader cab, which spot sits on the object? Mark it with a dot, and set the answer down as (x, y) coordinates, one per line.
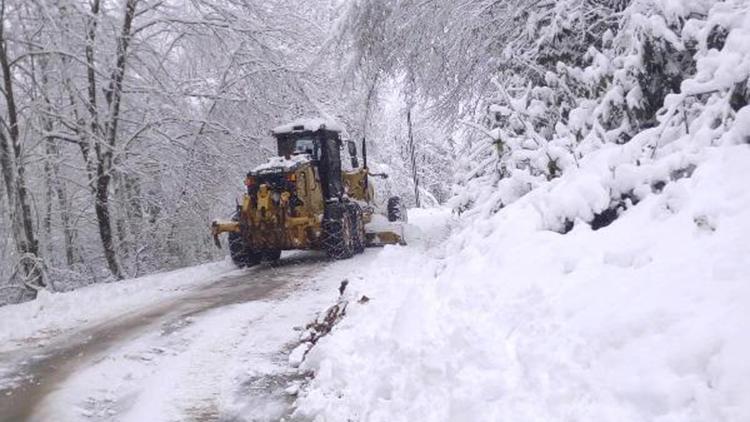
(304, 199)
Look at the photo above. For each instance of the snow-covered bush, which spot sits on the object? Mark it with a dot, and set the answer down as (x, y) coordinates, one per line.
(662, 71)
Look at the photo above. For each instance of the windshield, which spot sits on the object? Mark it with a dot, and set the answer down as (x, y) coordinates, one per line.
(305, 146)
(299, 144)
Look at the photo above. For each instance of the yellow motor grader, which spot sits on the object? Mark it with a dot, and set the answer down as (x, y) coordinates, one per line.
(304, 199)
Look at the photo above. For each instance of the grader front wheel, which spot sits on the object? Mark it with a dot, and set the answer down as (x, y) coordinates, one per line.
(343, 231)
(358, 229)
(396, 210)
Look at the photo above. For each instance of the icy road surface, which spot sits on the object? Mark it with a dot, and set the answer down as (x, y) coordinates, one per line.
(213, 351)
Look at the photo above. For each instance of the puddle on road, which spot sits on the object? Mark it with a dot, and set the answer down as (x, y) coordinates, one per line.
(38, 376)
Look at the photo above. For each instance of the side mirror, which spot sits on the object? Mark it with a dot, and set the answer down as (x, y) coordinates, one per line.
(352, 147)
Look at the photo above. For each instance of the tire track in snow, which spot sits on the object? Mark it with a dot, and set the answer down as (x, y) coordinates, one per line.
(189, 326)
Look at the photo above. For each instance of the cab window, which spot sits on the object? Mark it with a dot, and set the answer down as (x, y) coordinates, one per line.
(305, 146)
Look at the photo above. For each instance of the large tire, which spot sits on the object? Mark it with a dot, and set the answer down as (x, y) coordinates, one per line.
(396, 211)
(272, 255)
(337, 232)
(358, 229)
(241, 255)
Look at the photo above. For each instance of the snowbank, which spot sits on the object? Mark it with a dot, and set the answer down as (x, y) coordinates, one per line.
(612, 285)
(641, 320)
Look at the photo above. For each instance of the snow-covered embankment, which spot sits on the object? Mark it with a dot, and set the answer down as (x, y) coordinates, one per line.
(526, 313)
(641, 320)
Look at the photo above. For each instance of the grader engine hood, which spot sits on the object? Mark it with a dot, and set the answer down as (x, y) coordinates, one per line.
(269, 196)
(276, 165)
(273, 185)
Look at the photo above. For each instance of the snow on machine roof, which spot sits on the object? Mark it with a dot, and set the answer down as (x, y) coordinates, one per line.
(281, 164)
(310, 124)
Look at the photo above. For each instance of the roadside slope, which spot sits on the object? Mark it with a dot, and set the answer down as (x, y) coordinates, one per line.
(641, 320)
(592, 276)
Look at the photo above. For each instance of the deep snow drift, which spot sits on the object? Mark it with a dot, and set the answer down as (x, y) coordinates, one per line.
(641, 320)
(525, 312)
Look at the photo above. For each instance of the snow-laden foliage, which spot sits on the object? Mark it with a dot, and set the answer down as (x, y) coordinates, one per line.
(659, 73)
(126, 126)
(434, 153)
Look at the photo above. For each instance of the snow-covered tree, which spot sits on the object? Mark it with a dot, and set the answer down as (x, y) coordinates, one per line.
(135, 122)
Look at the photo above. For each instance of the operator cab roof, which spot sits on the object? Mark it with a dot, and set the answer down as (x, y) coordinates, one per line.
(312, 124)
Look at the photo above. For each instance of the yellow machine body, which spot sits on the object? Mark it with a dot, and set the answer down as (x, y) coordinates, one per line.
(284, 207)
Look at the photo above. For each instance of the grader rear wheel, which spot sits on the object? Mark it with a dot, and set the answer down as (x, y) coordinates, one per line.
(272, 255)
(240, 254)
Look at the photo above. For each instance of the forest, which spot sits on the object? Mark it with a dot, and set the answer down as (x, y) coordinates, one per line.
(128, 125)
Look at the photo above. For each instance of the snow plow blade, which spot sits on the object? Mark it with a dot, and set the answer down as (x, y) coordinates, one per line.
(384, 238)
(381, 232)
(223, 226)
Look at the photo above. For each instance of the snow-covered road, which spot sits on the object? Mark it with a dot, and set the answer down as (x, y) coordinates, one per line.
(216, 350)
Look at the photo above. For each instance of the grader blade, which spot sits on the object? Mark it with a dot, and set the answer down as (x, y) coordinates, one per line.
(376, 239)
(381, 232)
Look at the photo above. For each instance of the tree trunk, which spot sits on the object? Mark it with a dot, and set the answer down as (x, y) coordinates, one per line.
(101, 178)
(413, 157)
(113, 96)
(14, 175)
(106, 139)
(101, 206)
(56, 192)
